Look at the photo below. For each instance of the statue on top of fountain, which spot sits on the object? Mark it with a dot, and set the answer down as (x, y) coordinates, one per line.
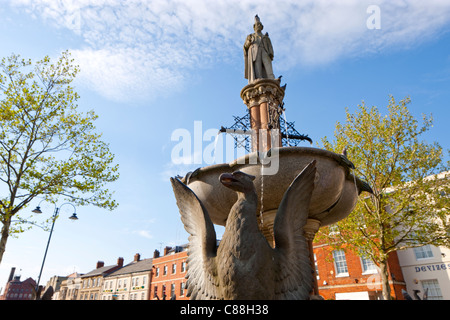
(258, 54)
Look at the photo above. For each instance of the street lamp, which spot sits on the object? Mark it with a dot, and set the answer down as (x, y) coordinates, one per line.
(55, 215)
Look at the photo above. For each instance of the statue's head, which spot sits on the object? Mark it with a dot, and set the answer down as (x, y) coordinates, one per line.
(257, 26)
(238, 181)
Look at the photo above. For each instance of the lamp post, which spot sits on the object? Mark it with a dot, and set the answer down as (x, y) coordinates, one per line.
(55, 215)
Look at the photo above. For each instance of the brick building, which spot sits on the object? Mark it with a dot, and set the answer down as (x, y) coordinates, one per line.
(168, 277)
(19, 290)
(343, 275)
(55, 282)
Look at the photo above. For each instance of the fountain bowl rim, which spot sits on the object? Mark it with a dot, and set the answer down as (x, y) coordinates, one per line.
(244, 160)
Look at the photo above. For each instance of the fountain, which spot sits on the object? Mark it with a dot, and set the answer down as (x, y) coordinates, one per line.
(333, 198)
(272, 185)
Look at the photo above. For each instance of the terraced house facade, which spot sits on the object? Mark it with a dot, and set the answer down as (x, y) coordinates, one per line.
(132, 282)
(157, 278)
(92, 282)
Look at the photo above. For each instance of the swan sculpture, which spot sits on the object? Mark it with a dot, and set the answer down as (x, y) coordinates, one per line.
(244, 266)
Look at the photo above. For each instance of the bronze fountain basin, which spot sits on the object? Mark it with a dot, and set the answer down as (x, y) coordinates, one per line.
(334, 197)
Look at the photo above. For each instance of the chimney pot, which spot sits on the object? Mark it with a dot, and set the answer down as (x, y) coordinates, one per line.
(120, 262)
(137, 257)
(156, 254)
(99, 264)
(11, 275)
(166, 250)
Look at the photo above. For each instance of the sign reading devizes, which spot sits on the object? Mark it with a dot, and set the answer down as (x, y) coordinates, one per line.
(433, 267)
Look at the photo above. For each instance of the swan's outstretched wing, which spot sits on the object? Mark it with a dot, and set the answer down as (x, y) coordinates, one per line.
(201, 274)
(294, 274)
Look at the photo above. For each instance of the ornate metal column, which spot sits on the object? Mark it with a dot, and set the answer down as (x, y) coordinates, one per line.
(264, 100)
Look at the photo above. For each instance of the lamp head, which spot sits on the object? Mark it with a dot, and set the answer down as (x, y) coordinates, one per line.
(37, 210)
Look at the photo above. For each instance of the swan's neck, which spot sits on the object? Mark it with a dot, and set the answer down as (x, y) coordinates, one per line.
(242, 218)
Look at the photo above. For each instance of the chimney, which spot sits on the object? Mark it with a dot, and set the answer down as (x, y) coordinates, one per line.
(120, 262)
(156, 254)
(137, 257)
(166, 250)
(11, 275)
(99, 264)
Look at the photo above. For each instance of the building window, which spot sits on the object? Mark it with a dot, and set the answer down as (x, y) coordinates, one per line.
(434, 291)
(368, 266)
(172, 290)
(340, 263)
(165, 270)
(316, 267)
(157, 272)
(182, 287)
(333, 230)
(155, 292)
(174, 268)
(183, 266)
(423, 252)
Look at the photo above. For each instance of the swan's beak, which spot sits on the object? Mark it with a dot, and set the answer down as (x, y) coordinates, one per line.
(227, 179)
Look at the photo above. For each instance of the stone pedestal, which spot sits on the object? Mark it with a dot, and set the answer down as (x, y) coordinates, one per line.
(310, 229)
(266, 220)
(264, 98)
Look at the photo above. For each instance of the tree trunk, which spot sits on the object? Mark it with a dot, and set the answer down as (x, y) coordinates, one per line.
(385, 280)
(4, 237)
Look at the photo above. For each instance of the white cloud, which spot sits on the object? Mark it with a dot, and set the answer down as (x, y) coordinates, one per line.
(141, 48)
(125, 74)
(144, 233)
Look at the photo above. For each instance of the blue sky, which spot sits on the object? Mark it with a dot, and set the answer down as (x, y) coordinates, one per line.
(149, 68)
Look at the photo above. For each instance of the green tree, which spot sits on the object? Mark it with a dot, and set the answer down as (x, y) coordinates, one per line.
(410, 203)
(47, 147)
